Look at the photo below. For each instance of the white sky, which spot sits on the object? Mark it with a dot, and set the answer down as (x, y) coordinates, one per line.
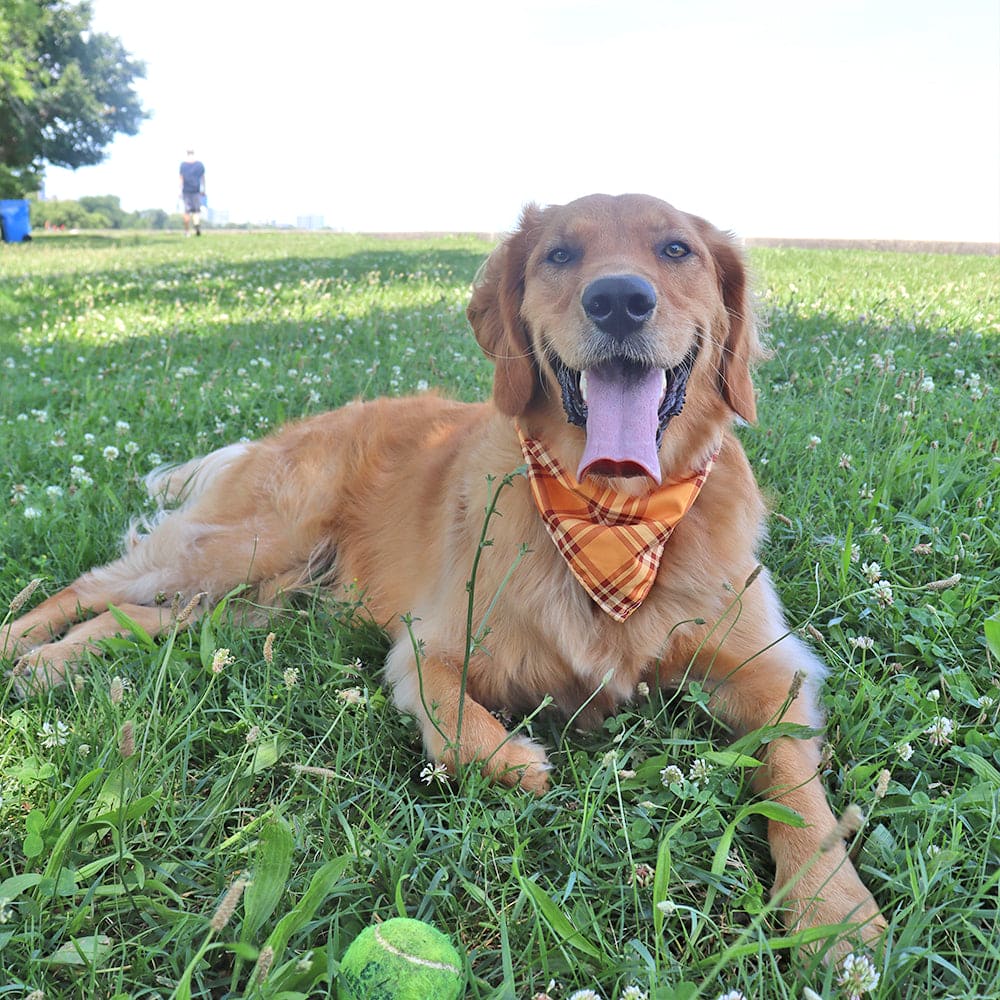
(825, 118)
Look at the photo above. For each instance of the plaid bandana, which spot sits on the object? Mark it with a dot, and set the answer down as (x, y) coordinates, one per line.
(611, 541)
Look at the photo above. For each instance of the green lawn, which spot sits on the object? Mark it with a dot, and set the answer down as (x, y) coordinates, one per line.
(131, 802)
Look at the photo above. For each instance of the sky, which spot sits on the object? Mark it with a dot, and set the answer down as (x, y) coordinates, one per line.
(853, 119)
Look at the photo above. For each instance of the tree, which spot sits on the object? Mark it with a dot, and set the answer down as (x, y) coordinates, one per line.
(107, 205)
(65, 91)
(64, 215)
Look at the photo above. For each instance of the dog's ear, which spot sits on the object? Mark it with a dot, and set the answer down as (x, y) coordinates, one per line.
(741, 347)
(495, 314)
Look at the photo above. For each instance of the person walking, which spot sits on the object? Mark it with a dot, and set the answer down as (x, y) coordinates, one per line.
(192, 192)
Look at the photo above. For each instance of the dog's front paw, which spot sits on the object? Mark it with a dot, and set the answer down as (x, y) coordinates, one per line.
(520, 762)
(833, 895)
(515, 761)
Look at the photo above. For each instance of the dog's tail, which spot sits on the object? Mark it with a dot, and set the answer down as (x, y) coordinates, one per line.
(171, 487)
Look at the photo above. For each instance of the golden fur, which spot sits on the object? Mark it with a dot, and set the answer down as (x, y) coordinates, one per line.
(391, 494)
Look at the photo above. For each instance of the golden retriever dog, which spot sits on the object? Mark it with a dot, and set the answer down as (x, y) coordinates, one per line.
(622, 335)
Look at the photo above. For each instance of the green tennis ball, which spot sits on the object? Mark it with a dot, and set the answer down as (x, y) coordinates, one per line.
(401, 959)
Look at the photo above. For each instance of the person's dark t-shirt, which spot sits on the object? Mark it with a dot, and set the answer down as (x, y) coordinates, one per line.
(192, 174)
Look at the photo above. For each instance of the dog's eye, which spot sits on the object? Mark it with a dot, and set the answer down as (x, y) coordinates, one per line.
(560, 255)
(675, 249)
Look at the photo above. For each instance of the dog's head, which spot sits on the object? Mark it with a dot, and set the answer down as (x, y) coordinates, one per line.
(627, 312)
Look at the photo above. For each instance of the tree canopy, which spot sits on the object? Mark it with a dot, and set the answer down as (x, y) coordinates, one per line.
(65, 91)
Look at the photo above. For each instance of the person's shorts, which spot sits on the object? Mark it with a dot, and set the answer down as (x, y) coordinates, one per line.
(192, 201)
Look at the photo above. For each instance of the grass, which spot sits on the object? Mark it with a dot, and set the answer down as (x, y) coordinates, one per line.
(131, 807)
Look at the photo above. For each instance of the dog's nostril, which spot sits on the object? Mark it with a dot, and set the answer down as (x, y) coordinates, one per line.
(619, 304)
(639, 306)
(599, 307)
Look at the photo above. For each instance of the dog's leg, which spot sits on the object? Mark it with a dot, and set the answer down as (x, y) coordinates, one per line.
(432, 694)
(813, 874)
(185, 555)
(45, 622)
(48, 665)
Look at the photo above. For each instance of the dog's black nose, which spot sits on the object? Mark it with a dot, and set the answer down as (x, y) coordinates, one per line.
(619, 304)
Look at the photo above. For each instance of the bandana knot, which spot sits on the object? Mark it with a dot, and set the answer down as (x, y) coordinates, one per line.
(611, 541)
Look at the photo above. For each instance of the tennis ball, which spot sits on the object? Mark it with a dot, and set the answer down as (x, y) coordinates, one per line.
(401, 959)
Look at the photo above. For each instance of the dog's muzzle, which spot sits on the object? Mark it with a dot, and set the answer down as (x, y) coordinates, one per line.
(625, 409)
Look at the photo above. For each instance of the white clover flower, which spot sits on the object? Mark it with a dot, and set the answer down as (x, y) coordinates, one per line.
(927, 384)
(433, 772)
(221, 659)
(732, 995)
(813, 441)
(154, 458)
(131, 448)
(671, 775)
(422, 385)
(352, 696)
(861, 642)
(700, 770)
(985, 702)
(290, 677)
(845, 461)
(585, 995)
(634, 993)
(110, 453)
(857, 975)
(883, 593)
(904, 751)
(643, 875)
(122, 426)
(53, 735)
(32, 513)
(53, 492)
(872, 571)
(940, 730)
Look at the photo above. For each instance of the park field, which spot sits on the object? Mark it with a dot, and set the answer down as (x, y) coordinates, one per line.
(133, 800)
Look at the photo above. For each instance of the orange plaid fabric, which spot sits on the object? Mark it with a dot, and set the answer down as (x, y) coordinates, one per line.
(611, 541)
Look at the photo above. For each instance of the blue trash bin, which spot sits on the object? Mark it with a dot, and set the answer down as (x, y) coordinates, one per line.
(14, 219)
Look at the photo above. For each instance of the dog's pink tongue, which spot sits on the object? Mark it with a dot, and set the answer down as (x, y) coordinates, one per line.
(622, 422)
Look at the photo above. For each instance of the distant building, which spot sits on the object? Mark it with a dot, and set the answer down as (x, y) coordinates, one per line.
(309, 222)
